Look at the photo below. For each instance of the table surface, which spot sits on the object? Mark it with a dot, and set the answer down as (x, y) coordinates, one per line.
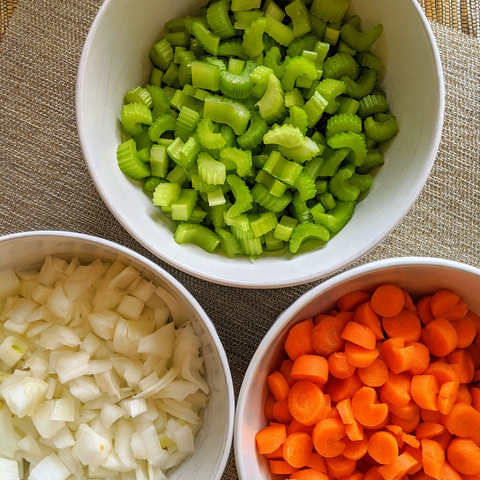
(44, 184)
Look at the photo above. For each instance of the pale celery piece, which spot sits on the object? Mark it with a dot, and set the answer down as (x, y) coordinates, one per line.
(261, 124)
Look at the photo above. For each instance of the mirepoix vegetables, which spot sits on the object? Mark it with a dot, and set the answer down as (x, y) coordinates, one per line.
(260, 125)
(101, 374)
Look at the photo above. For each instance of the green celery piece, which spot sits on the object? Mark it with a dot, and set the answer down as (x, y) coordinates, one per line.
(170, 77)
(241, 192)
(381, 131)
(354, 141)
(230, 244)
(360, 41)
(163, 123)
(368, 60)
(272, 104)
(285, 135)
(166, 193)
(313, 167)
(333, 160)
(347, 105)
(198, 235)
(330, 89)
(177, 175)
(184, 205)
(160, 101)
(253, 37)
(189, 152)
(133, 116)
(236, 65)
(336, 218)
(219, 20)
(319, 26)
(343, 123)
(244, 18)
(300, 17)
(294, 68)
(189, 21)
(273, 10)
(363, 86)
(174, 148)
(300, 210)
(216, 214)
(229, 135)
(129, 162)
(205, 76)
(237, 5)
(341, 188)
(266, 222)
(330, 10)
(281, 33)
(371, 104)
(305, 186)
(181, 99)
(177, 39)
(282, 169)
(307, 231)
(302, 153)
(331, 35)
(272, 60)
(342, 47)
(156, 77)
(177, 52)
(314, 108)
(275, 187)
(263, 197)
(321, 186)
(327, 200)
(185, 67)
(299, 44)
(283, 230)
(227, 111)
(239, 222)
(237, 85)
(207, 39)
(200, 186)
(162, 54)
(138, 95)
(232, 47)
(197, 216)
(207, 136)
(159, 161)
(176, 25)
(252, 246)
(151, 183)
(273, 244)
(253, 136)
(341, 64)
(186, 123)
(299, 118)
(374, 158)
(216, 197)
(241, 158)
(294, 98)
(210, 170)
(362, 182)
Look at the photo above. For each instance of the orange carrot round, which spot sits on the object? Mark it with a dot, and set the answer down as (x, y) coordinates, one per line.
(396, 389)
(416, 453)
(309, 474)
(383, 448)
(447, 397)
(365, 315)
(466, 331)
(464, 456)
(281, 412)
(328, 437)
(350, 301)
(425, 390)
(326, 336)
(299, 339)
(424, 310)
(464, 395)
(398, 357)
(340, 466)
(359, 335)
(443, 372)
(345, 388)
(433, 458)
(310, 367)
(463, 364)
(404, 325)
(421, 359)
(397, 469)
(280, 467)
(286, 370)
(407, 412)
(355, 450)
(463, 421)
(387, 300)
(317, 462)
(270, 401)
(306, 402)
(365, 408)
(278, 386)
(447, 304)
(375, 375)
(407, 425)
(428, 430)
(440, 337)
(297, 449)
(359, 356)
(270, 438)
(338, 365)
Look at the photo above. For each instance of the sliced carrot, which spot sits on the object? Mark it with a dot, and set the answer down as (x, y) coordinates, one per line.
(345, 317)
(409, 305)
(387, 300)
(344, 408)
(424, 310)
(444, 439)
(466, 331)
(443, 372)
(280, 467)
(425, 389)
(463, 363)
(318, 318)
(355, 449)
(447, 397)
(464, 395)
(338, 365)
(359, 335)
(416, 453)
(340, 466)
(356, 475)
(431, 416)
(408, 412)
(372, 473)
(328, 437)
(464, 422)
(297, 449)
(433, 458)
(398, 357)
(464, 456)
(281, 412)
(341, 389)
(359, 356)
(306, 402)
(354, 431)
(299, 339)
(475, 393)
(447, 304)
(406, 425)
(365, 315)
(310, 367)
(317, 462)
(309, 474)
(275, 455)
(278, 386)
(270, 438)
(421, 359)
(367, 411)
(270, 401)
(286, 370)
(440, 337)
(295, 426)
(397, 389)
(396, 470)
(383, 448)
(449, 473)
(350, 301)
(327, 411)
(411, 439)
(428, 430)
(326, 336)
(375, 375)
(405, 325)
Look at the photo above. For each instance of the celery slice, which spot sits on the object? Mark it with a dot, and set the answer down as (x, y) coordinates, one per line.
(330, 10)
(243, 197)
(281, 33)
(138, 95)
(300, 17)
(210, 170)
(184, 205)
(134, 115)
(306, 231)
(336, 218)
(263, 197)
(207, 39)
(198, 235)
(253, 37)
(241, 158)
(219, 20)
(230, 244)
(264, 223)
(166, 193)
(224, 110)
(129, 163)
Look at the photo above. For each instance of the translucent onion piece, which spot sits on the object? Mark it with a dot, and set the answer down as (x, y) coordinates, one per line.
(23, 398)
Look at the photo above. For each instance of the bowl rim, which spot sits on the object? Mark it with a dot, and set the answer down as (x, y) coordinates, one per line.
(207, 322)
(307, 297)
(260, 281)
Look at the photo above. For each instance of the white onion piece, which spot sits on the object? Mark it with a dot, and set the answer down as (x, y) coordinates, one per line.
(59, 304)
(42, 419)
(8, 442)
(83, 278)
(72, 365)
(12, 350)
(159, 343)
(123, 440)
(9, 469)
(90, 448)
(23, 398)
(59, 336)
(50, 467)
(177, 313)
(103, 324)
(84, 388)
(21, 311)
(9, 284)
(30, 449)
(63, 409)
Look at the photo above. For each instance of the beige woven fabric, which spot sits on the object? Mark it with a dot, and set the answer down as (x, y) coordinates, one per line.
(44, 183)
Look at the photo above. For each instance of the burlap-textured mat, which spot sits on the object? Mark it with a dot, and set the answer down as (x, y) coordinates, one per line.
(44, 183)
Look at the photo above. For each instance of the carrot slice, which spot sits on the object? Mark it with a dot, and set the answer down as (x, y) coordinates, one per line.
(350, 301)
(270, 438)
(281, 412)
(404, 325)
(286, 370)
(375, 375)
(416, 453)
(387, 300)
(463, 363)
(449, 473)
(355, 449)
(425, 390)
(421, 359)
(328, 437)
(396, 470)
(397, 389)
(344, 408)
(397, 356)
(310, 367)
(278, 386)
(338, 365)
(372, 473)
(447, 304)
(340, 466)
(326, 336)
(443, 372)
(340, 389)
(270, 401)
(463, 421)
(365, 408)
(428, 430)
(354, 431)
(359, 356)
(309, 474)
(359, 335)
(317, 462)
(447, 397)
(466, 331)
(433, 458)
(440, 337)
(297, 449)
(299, 339)
(424, 310)
(383, 448)
(408, 412)
(365, 315)
(406, 425)
(444, 439)
(464, 395)
(275, 455)
(306, 402)
(280, 467)
(464, 456)
(409, 305)
(475, 393)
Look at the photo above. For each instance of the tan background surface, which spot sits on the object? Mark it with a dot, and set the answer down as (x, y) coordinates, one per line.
(44, 183)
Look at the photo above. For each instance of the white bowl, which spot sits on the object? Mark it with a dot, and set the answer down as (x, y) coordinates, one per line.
(115, 59)
(419, 275)
(212, 443)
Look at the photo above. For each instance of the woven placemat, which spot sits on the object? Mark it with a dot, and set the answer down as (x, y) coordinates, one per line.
(44, 183)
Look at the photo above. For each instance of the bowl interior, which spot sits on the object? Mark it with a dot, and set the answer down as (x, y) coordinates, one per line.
(115, 59)
(419, 276)
(25, 251)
